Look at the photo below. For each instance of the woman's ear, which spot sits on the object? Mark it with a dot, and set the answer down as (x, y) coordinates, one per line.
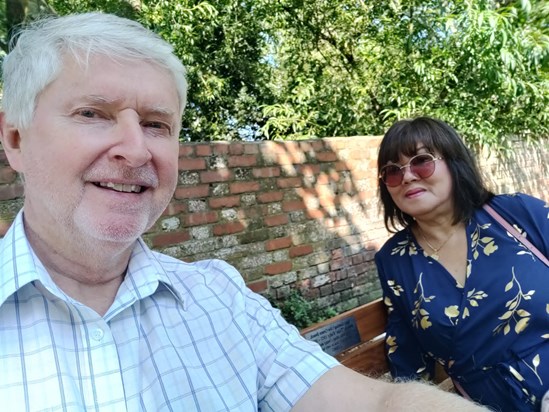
(11, 143)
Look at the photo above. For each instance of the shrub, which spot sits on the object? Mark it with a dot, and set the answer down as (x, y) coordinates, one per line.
(301, 312)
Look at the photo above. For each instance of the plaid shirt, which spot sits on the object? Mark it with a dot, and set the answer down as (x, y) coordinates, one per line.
(178, 336)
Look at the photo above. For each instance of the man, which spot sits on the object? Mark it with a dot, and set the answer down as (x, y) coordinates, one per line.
(90, 318)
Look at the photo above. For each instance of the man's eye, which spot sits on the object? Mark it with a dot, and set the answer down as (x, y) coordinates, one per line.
(155, 125)
(158, 127)
(87, 113)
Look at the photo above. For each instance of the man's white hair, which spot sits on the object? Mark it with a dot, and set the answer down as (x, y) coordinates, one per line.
(37, 58)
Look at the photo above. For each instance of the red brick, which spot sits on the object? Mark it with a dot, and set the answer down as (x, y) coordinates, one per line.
(228, 228)
(166, 239)
(300, 250)
(279, 243)
(174, 209)
(200, 218)
(186, 163)
(326, 157)
(315, 214)
(242, 161)
(356, 259)
(336, 264)
(251, 148)
(203, 150)
(276, 220)
(277, 268)
(192, 192)
(293, 205)
(258, 287)
(323, 179)
(236, 148)
(308, 170)
(270, 197)
(222, 202)
(342, 166)
(317, 145)
(337, 254)
(7, 175)
(243, 187)
(221, 175)
(220, 148)
(273, 171)
(13, 191)
(185, 150)
(289, 182)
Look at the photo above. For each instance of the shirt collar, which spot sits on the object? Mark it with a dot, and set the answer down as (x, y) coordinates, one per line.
(145, 273)
(20, 266)
(17, 263)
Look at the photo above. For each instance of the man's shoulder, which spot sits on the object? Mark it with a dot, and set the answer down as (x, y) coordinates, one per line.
(208, 271)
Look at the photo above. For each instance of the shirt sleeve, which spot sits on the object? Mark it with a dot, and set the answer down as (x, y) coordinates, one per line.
(287, 364)
(406, 359)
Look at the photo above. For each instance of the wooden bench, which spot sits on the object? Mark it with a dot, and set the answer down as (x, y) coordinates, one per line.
(357, 339)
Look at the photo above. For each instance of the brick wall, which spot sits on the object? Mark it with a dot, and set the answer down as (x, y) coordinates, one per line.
(286, 214)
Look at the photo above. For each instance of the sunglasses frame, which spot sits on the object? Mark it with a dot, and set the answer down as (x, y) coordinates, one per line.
(409, 164)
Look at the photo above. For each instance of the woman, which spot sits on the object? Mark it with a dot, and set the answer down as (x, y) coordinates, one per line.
(460, 290)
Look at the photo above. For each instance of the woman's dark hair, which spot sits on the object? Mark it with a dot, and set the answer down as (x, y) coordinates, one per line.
(403, 138)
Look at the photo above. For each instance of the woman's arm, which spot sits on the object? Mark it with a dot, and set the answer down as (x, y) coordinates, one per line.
(406, 360)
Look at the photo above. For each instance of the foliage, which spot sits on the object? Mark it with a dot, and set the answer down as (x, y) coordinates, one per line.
(358, 67)
(292, 69)
(221, 44)
(300, 312)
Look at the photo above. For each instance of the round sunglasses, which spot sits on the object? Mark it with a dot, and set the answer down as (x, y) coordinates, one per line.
(422, 165)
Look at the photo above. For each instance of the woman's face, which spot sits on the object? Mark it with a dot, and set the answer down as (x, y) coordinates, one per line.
(419, 194)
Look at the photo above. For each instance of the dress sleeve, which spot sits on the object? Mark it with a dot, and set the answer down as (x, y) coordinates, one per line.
(406, 359)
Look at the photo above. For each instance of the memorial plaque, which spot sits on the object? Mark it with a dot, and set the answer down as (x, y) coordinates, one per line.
(337, 336)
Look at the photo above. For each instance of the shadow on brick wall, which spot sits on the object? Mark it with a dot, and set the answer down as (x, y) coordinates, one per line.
(295, 214)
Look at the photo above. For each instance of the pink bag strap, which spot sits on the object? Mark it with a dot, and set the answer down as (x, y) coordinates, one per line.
(461, 390)
(522, 239)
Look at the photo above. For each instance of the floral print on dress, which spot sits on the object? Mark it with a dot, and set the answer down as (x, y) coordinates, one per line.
(490, 334)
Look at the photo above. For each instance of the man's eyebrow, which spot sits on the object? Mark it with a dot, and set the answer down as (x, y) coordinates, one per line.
(154, 110)
(95, 98)
(160, 111)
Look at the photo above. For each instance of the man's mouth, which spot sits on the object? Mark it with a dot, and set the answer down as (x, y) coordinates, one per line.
(118, 187)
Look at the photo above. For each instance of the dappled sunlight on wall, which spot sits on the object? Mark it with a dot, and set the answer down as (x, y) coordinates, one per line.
(292, 214)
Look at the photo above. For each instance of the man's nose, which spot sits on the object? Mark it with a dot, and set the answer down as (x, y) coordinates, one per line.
(131, 144)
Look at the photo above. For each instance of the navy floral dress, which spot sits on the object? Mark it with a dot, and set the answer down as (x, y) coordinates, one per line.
(491, 334)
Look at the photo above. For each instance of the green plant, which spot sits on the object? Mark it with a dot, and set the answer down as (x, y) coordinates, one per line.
(301, 312)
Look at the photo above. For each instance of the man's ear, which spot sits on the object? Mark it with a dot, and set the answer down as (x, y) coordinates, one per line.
(11, 143)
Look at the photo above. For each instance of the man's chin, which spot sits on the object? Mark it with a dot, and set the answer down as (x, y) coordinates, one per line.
(123, 231)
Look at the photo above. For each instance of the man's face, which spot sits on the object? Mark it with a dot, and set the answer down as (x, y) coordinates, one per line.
(100, 159)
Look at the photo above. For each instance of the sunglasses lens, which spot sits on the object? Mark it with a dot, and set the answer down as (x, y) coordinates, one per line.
(391, 175)
(422, 165)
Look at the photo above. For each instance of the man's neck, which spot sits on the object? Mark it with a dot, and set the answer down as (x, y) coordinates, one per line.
(89, 272)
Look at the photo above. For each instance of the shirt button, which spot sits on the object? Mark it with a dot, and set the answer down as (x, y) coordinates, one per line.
(97, 334)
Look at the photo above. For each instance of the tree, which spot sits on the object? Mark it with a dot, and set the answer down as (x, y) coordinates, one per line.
(291, 69)
(222, 45)
(358, 67)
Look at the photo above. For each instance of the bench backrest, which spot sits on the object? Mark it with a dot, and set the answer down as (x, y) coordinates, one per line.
(357, 337)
